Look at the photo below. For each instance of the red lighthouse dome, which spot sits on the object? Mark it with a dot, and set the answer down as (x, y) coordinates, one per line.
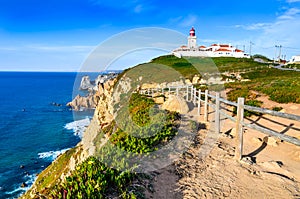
(192, 32)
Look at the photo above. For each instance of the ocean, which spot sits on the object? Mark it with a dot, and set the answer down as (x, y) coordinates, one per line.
(35, 125)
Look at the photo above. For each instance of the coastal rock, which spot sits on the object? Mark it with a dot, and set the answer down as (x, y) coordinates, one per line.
(80, 102)
(23, 185)
(85, 83)
(176, 103)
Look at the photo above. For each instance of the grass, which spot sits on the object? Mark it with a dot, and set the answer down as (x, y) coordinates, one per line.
(190, 66)
(280, 86)
(49, 177)
(109, 173)
(292, 66)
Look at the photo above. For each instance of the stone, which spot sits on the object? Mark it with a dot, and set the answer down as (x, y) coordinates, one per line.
(195, 79)
(176, 103)
(272, 141)
(24, 185)
(187, 81)
(247, 160)
(22, 166)
(159, 100)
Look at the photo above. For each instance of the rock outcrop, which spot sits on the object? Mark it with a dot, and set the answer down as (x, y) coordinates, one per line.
(79, 102)
(176, 103)
(85, 83)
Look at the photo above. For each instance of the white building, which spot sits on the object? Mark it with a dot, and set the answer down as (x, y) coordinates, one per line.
(295, 59)
(215, 50)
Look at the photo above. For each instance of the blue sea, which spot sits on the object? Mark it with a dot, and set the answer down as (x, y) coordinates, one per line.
(35, 125)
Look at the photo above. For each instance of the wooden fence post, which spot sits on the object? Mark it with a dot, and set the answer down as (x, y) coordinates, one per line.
(239, 128)
(217, 113)
(206, 106)
(192, 93)
(199, 101)
(187, 93)
(195, 92)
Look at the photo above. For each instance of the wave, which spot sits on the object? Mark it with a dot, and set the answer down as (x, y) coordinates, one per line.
(20, 190)
(78, 126)
(51, 155)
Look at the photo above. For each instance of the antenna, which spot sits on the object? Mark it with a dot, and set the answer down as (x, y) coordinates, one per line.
(251, 43)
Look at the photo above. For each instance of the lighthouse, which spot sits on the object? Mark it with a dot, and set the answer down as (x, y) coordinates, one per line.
(192, 39)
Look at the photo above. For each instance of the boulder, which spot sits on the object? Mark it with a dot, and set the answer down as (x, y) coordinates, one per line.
(195, 79)
(176, 103)
(159, 100)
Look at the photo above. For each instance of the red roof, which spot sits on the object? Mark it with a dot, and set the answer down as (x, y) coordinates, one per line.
(238, 50)
(224, 50)
(224, 46)
(202, 47)
(214, 45)
(183, 46)
(192, 32)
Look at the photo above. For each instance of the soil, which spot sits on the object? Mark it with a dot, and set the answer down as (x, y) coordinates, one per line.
(270, 168)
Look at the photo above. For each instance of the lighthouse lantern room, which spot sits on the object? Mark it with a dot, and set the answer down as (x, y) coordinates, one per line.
(192, 39)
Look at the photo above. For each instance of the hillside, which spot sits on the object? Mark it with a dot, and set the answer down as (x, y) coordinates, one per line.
(128, 126)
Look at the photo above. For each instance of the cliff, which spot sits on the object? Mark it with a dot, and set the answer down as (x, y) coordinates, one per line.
(63, 166)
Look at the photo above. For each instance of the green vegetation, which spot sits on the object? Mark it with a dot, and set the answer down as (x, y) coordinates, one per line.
(292, 66)
(190, 66)
(262, 57)
(93, 179)
(141, 127)
(280, 86)
(110, 171)
(50, 176)
(276, 108)
(147, 125)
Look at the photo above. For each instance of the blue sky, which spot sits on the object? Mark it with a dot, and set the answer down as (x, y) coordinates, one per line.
(58, 35)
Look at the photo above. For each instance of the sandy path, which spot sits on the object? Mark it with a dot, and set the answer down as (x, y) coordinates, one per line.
(271, 170)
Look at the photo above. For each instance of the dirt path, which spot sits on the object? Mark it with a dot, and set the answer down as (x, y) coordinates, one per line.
(271, 168)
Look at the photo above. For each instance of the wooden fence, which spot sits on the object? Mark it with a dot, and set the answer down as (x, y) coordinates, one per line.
(214, 100)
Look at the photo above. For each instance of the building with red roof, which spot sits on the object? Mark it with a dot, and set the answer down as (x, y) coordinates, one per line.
(215, 50)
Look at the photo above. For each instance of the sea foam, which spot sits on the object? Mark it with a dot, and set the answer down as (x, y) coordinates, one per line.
(52, 155)
(78, 126)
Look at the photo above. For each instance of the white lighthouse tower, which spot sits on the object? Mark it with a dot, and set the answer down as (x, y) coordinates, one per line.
(192, 39)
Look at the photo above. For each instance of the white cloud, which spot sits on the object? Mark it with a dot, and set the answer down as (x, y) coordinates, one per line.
(255, 26)
(283, 31)
(289, 14)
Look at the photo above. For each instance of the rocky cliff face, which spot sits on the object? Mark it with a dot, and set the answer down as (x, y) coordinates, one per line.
(66, 163)
(87, 102)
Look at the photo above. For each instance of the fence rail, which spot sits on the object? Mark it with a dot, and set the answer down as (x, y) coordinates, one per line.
(214, 100)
